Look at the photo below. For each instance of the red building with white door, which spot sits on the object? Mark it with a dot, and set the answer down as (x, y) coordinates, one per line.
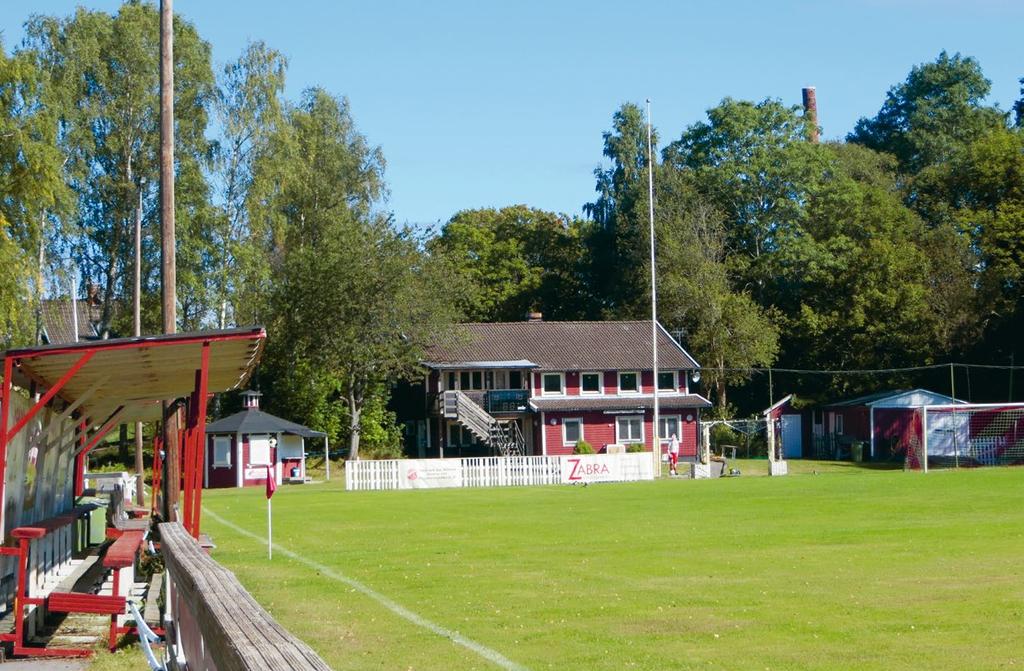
(239, 448)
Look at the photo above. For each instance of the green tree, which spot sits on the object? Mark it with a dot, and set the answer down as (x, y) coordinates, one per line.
(867, 284)
(249, 110)
(32, 194)
(752, 163)
(620, 238)
(934, 111)
(102, 78)
(517, 259)
(1018, 107)
(725, 329)
(350, 300)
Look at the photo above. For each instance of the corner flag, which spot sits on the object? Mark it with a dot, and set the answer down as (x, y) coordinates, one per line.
(271, 481)
(271, 488)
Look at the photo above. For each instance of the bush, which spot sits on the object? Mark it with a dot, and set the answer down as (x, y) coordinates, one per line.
(635, 447)
(583, 447)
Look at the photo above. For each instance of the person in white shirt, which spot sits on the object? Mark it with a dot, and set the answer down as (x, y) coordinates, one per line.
(673, 454)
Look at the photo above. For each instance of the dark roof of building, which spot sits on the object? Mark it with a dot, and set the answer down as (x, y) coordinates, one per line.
(562, 346)
(59, 322)
(257, 421)
(620, 403)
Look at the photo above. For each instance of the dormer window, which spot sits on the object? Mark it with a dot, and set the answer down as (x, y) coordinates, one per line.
(629, 383)
(553, 384)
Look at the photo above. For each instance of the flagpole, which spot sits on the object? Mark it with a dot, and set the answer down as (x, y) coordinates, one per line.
(270, 534)
(656, 445)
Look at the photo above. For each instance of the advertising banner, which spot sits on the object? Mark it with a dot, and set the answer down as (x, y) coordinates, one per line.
(587, 468)
(430, 473)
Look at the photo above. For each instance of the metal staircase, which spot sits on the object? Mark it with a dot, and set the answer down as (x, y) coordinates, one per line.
(503, 435)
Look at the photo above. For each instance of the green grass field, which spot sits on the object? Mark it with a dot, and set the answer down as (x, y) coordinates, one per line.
(847, 569)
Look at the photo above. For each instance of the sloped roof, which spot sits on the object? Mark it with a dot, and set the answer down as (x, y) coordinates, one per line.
(668, 402)
(136, 374)
(624, 345)
(59, 322)
(882, 397)
(252, 420)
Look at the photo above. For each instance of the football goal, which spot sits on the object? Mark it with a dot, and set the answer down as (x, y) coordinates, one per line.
(973, 435)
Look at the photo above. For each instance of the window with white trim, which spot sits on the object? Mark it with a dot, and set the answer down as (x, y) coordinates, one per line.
(259, 450)
(591, 383)
(668, 380)
(839, 424)
(552, 383)
(222, 451)
(572, 431)
(668, 425)
(629, 429)
(629, 383)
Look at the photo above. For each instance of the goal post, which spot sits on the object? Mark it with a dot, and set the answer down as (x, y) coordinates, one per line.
(975, 434)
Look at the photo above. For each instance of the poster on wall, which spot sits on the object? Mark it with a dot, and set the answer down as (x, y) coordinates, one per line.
(429, 473)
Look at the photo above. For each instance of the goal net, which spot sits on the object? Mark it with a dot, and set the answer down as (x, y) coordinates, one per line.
(973, 435)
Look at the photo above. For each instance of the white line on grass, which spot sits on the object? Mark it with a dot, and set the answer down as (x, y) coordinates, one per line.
(396, 608)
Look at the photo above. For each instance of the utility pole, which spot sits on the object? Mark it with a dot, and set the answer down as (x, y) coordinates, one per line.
(168, 279)
(140, 468)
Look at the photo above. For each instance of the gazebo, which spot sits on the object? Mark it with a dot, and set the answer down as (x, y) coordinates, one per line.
(240, 447)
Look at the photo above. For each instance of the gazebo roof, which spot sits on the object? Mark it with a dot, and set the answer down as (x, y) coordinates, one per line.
(253, 420)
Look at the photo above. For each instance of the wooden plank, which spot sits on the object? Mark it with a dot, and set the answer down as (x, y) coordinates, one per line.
(237, 631)
(123, 551)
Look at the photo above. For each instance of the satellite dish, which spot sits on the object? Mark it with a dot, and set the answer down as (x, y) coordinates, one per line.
(695, 376)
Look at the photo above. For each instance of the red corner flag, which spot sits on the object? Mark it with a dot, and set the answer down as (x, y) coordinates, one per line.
(271, 481)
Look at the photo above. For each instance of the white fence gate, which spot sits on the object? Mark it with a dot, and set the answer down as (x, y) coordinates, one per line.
(497, 471)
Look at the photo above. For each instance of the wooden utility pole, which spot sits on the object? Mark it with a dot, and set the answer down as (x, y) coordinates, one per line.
(140, 468)
(168, 280)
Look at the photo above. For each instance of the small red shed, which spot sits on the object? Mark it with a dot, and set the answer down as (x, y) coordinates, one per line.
(240, 447)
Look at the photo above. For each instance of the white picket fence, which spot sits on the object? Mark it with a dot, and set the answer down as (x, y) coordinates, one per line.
(497, 471)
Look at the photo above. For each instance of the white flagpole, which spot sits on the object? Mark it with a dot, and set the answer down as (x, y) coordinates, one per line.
(654, 297)
(270, 534)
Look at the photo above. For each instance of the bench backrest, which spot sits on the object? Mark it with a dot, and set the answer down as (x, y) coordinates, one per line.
(213, 622)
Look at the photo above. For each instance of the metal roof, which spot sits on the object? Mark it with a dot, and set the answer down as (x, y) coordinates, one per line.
(138, 373)
(253, 420)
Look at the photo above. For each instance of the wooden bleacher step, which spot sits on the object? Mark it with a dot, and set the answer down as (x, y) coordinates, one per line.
(151, 614)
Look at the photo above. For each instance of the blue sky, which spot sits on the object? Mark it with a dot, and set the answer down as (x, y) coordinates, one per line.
(487, 104)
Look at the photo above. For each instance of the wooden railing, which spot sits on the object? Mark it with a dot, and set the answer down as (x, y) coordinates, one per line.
(212, 622)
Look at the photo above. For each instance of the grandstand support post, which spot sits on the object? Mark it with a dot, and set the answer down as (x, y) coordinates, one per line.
(111, 422)
(924, 438)
(5, 411)
(202, 378)
(50, 393)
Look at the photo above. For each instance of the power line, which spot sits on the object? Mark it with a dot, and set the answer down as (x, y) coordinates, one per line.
(863, 371)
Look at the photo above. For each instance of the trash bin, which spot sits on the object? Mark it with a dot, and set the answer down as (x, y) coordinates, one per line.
(295, 472)
(857, 451)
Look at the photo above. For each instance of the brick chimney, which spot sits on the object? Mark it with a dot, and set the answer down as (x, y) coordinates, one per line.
(811, 112)
(534, 317)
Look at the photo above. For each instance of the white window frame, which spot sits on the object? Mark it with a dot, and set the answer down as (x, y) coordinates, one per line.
(618, 435)
(639, 382)
(265, 437)
(565, 437)
(226, 462)
(600, 383)
(561, 384)
(679, 427)
(675, 380)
